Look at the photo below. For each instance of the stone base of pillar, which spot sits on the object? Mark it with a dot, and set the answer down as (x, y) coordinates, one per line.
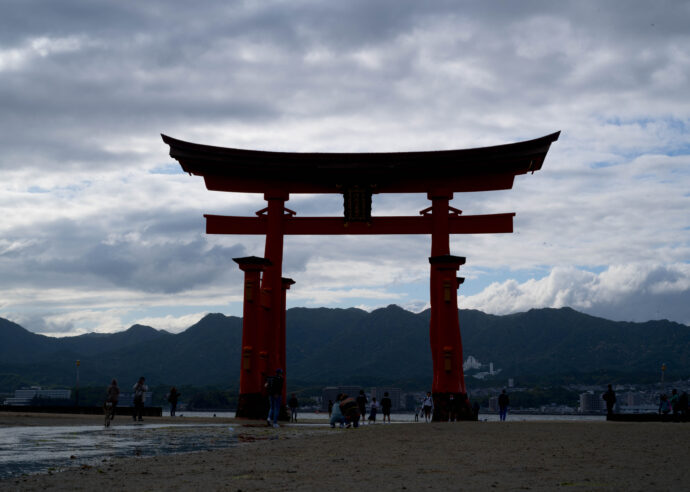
(449, 407)
(252, 406)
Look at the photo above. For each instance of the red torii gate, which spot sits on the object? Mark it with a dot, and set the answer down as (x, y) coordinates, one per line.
(357, 176)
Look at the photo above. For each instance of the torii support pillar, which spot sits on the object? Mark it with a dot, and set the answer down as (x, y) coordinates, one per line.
(448, 388)
(282, 343)
(252, 403)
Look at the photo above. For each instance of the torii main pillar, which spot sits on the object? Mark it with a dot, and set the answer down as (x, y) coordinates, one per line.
(444, 329)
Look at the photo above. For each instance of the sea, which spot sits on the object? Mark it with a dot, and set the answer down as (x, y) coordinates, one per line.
(47, 449)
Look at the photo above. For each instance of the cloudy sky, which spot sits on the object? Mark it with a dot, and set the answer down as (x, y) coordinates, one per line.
(99, 228)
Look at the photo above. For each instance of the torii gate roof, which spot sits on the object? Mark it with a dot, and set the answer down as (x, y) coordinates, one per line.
(255, 171)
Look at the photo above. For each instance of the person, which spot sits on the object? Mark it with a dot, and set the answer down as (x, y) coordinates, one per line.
(362, 404)
(675, 405)
(452, 408)
(350, 410)
(475, 410)
(172, 399)
(113, 395)
(386, 405)
(139, 389)
(683, 404)
(274, 388)
(427, 405)
(503, 402)
(664, 405)
(373, 410)
(330, 408)
(336, 415)
(416, 413)
(293, 404)
(610, 399)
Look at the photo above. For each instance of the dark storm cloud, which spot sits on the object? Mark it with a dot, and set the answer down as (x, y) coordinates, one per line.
(77, 252)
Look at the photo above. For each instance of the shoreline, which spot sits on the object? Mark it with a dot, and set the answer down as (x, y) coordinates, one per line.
(536, 455)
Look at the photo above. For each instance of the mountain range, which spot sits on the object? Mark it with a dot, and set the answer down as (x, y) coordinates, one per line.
(388, 346)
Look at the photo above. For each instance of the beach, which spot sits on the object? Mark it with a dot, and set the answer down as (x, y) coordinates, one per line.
(450, 456)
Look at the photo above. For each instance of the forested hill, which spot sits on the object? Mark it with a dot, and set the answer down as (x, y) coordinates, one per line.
(351, 346)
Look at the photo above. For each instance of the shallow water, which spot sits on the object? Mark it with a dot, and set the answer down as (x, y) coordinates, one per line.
(25, 450)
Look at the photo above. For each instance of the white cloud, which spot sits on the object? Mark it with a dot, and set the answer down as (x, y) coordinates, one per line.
(636, 292)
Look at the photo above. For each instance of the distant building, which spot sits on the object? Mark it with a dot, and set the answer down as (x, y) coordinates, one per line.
(28, 396)
(592, 402)
(493, 403)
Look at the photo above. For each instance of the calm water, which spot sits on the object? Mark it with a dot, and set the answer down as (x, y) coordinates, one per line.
(43, 449)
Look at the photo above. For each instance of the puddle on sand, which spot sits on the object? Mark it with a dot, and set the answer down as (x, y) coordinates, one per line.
(25, 450)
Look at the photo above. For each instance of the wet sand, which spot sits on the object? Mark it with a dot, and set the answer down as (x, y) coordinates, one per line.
(467, 455)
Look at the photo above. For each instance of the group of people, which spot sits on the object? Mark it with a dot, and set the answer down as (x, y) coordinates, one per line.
(676, 404)
(348, 412)
(138, 393)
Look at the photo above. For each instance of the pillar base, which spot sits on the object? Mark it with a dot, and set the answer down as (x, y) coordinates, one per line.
(252, 406)
(451, 410)
(255, 406)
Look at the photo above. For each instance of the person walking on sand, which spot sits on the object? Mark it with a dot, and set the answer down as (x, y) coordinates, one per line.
(173, 396)
(293, 404)
(274, 388)
(113, 395)
(610, 398)
(373, 411)
(140, 390)
(503, 402)
(427, 405)
(362, 404)
(386, 405)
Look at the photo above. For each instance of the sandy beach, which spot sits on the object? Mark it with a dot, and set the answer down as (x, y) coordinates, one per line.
(466, 455)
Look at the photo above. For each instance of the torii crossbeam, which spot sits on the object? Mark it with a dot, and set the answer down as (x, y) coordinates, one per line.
(357, 176)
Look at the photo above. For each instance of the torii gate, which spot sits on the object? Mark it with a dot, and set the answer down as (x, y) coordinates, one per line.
(357, 176)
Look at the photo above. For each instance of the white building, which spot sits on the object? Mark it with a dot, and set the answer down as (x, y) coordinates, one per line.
(25, 396)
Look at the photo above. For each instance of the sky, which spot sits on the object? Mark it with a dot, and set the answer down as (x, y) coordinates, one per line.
(100, 229)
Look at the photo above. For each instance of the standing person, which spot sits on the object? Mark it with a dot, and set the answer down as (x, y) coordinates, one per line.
(416, 413)
(386, 405)
(675, 406)
(503, 402)
(373, 411)
(610, 398)
(113, 395)
(173, 396)
(362, 404)
(274, 388)
(139, 389)
(427, 405)
(293, 404)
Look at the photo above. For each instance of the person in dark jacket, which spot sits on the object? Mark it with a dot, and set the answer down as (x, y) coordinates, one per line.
(503, 402)
(362, 404)
(173, 396)
(610, 399)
